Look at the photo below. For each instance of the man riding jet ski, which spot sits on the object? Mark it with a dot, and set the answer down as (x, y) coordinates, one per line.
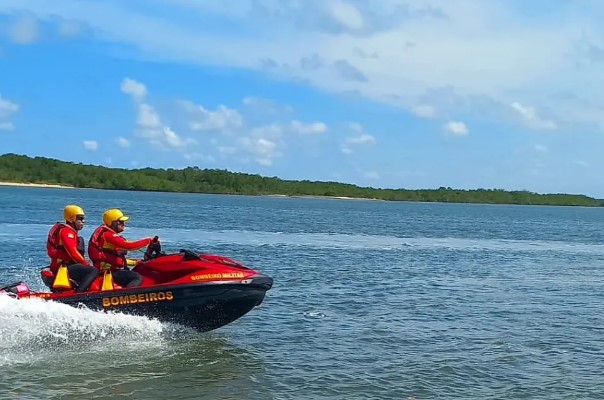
(107, 249)
(202, 291)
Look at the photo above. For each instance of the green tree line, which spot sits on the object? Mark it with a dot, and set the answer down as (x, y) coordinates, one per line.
(24, 169)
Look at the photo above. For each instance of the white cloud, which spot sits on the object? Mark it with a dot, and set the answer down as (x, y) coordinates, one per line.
(148, 121)
(355, 126)
(70, 28)
(7, 108)
(223, 120)
(487, 49)
(263, 144)
(456, 128)
(266, 106)
(134, 88)
(6, 126)
(532, 119)
(165, 138)
(361, 139)
(347, 14)
(172, 139)
(276, 130)
(262, 149)
(424, 111)
(24, 29)
(122, 142)
(346, 150)
(540, 148)
(312, 128)
(272, 131)
(91, 145)
(148, 118)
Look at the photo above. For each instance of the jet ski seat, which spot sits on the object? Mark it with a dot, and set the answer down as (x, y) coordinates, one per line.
(48, 277)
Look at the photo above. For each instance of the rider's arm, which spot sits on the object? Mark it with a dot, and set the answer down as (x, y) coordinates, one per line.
(122, 244)
(70, 243)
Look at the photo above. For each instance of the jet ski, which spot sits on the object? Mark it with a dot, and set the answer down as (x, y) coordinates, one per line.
(200, 291)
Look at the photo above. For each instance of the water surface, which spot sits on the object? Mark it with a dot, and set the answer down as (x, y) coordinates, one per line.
(372, 300)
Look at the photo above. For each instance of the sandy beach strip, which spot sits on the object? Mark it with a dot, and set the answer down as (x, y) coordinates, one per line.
(43, 185)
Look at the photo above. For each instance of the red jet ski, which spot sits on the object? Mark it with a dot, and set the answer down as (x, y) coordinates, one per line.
(201, 291)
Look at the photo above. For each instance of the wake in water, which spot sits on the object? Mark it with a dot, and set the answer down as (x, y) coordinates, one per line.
(30, 328)
(20, 233)
(362, 241)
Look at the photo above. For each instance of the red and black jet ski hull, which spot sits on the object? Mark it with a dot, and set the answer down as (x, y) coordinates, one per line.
(201, 306)
(201, 291)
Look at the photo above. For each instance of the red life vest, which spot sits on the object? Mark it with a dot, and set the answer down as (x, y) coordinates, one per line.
(101, 252)
(54, 248)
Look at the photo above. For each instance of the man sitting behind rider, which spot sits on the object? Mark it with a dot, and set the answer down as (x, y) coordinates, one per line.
(65, 247)
(107, 248)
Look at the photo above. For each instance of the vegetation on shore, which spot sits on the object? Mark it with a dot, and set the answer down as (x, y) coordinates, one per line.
(24, 169)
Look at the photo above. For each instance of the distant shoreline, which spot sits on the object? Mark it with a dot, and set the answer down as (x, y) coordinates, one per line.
(50, 185)
(302, 196)
(286, 196)
(53, 173)
(44, 185)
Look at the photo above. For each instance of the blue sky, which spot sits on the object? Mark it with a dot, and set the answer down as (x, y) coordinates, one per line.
(398, 94)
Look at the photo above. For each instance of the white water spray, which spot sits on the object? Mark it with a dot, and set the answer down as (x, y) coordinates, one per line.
(30, 328)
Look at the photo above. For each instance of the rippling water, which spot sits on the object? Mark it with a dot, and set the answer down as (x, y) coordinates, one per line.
(372, 300)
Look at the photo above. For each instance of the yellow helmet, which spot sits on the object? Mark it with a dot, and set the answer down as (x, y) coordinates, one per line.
(71, 211)
(113, 215)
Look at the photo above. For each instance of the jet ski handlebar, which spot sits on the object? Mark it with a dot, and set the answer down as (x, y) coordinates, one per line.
(153, 249)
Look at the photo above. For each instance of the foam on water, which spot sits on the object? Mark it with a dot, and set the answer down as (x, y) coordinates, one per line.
(177, 237)
(30, 328)
(362, 241)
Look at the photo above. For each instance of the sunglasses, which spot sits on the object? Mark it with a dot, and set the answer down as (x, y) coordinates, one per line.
(121, 222)
(80, 218)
